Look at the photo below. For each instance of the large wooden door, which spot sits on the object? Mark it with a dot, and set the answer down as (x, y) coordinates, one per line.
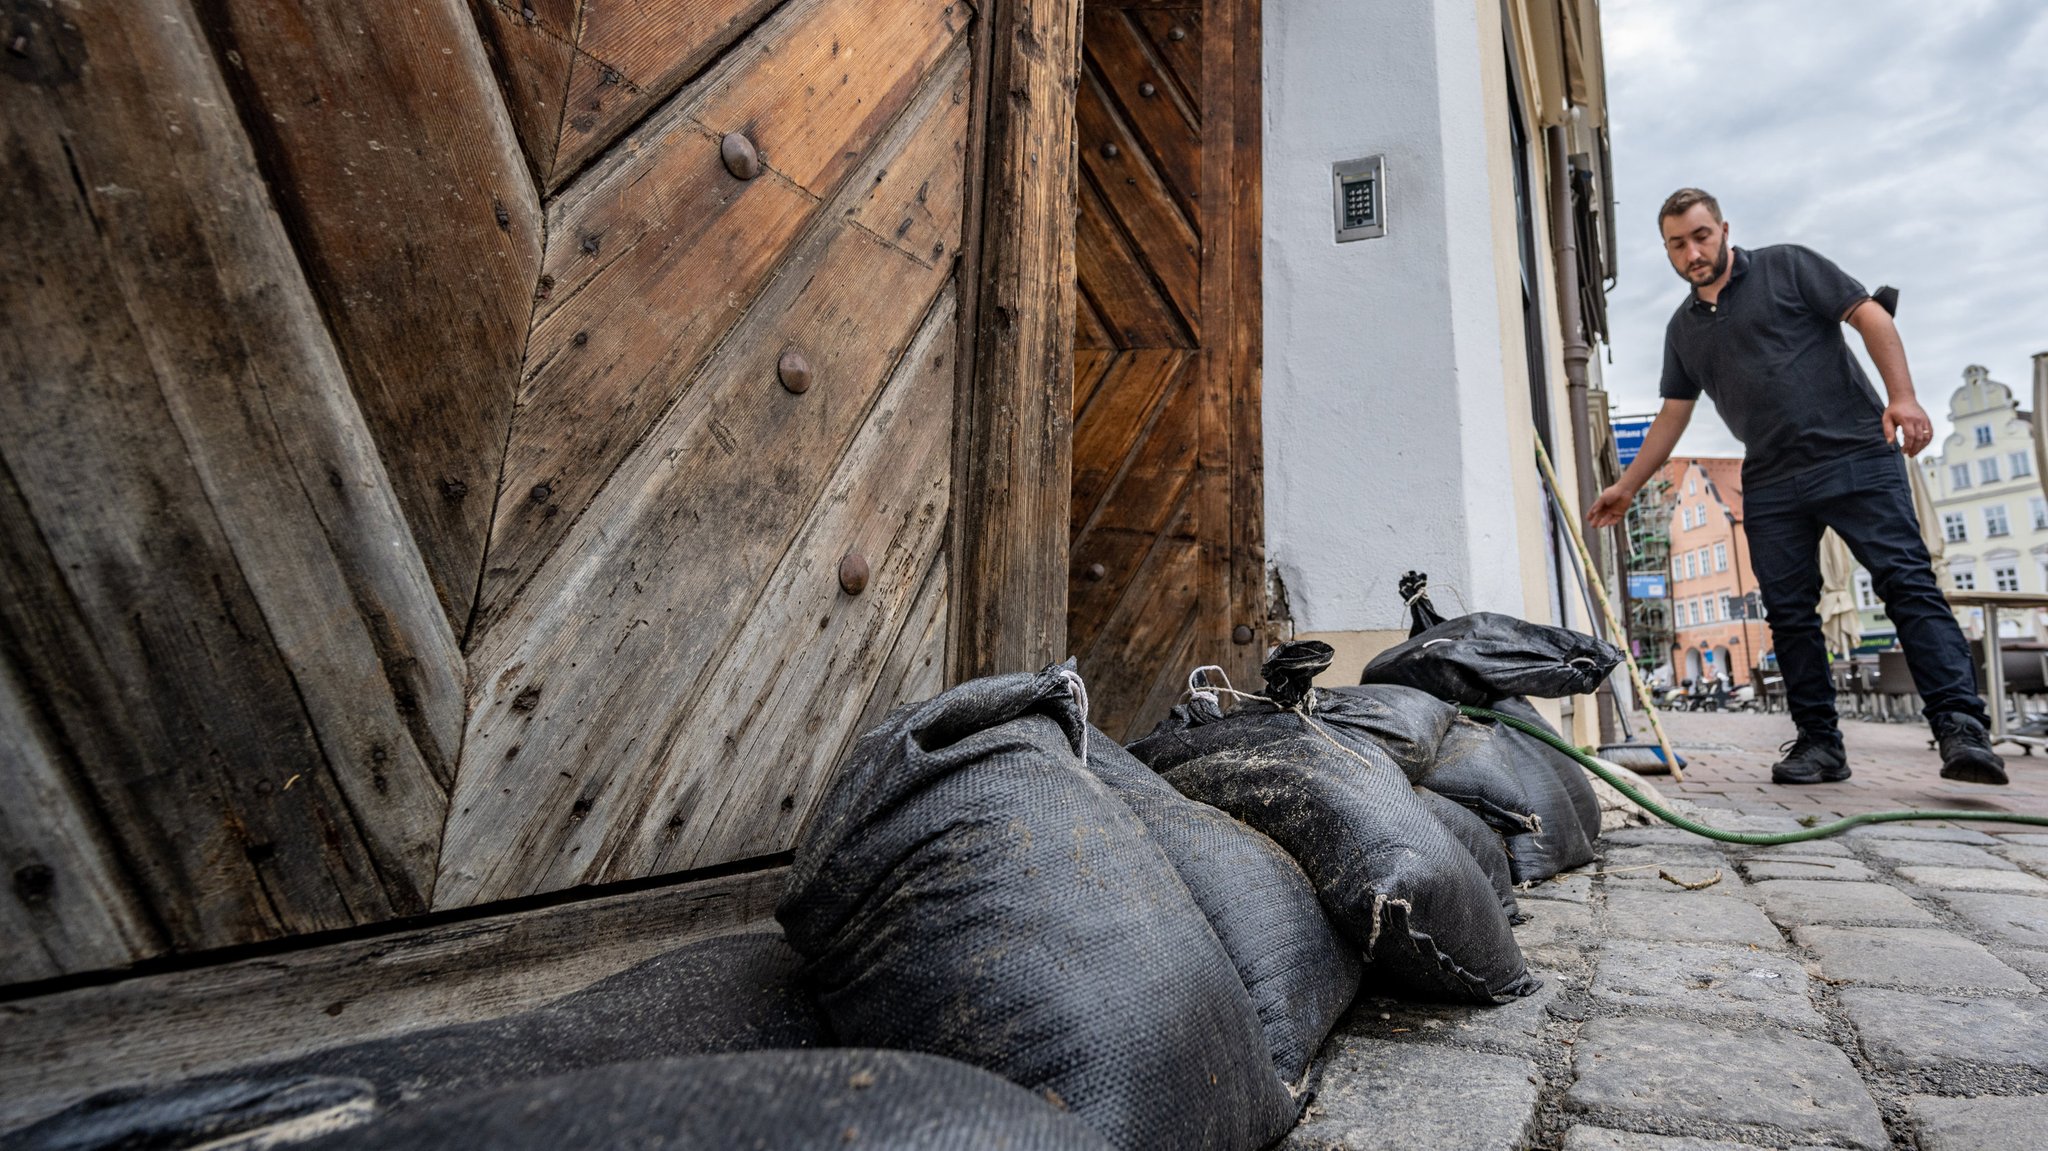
(1166, 570)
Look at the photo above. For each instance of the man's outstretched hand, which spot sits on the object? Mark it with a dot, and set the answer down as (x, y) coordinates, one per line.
(1909, 417)
(1611, 506)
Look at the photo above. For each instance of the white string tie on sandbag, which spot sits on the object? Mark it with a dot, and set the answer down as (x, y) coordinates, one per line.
(1079, 690)
(1199, 687)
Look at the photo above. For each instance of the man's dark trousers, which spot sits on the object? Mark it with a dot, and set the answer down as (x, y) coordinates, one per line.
(1867, 501)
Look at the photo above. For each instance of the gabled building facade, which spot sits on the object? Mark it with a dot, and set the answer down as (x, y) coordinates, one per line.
(1716, 610)
(1992, 509)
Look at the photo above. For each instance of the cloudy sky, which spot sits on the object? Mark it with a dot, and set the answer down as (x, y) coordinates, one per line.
(1907, 141)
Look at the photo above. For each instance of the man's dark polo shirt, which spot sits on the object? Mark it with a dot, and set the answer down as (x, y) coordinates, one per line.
(1772, 355)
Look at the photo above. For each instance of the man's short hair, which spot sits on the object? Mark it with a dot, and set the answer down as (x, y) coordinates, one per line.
(1680, 202)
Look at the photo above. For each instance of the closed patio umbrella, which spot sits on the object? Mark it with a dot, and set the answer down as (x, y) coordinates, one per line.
(1930, 522)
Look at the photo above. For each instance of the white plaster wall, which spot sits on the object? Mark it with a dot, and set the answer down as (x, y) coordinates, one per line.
(1386, 445)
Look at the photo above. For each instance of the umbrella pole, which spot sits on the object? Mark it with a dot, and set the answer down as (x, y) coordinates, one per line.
(1614, 627)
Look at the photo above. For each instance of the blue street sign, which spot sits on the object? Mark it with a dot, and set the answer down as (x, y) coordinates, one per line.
(1647, 585)
(1628, 438)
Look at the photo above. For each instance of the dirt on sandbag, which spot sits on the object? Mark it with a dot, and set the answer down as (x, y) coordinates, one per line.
(1474, 772)
(830, 1100)
(1559, 791)
(1404, 723)
(1395, 881)
(1486, 846)
(1478, 658)
(969, 888)
(1300, 973)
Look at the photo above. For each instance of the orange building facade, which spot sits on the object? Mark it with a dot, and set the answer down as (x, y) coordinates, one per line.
(1716, 611)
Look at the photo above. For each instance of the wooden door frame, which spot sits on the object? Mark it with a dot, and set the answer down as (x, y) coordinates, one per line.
(1013, 447)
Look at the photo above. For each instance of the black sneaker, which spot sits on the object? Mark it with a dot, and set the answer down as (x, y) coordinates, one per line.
(1966, 753)
(1812, 758)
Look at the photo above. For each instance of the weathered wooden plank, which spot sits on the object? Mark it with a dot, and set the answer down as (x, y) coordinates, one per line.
(1147, 101)
(57, 1048)
(751, 754)
(1247, 451)
(402, 185)
(1107, 432)
(658, 249)
(1212, 386)
(632, 54)
(181, 432)
(532, 58)
(1123, 661)
(68, 907)
(401, 182)
(1166, 242)
(1090, 330)
(1014, 449)
(916, 667)
(1182, 55)
(926, 225)
(580, 683)
(1091, 365)
(1113, 277)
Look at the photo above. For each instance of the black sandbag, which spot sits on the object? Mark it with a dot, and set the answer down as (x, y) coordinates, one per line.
(1564, 800)
(760, 1101)
(1405, 723)
(1485, 845)
(1397, 883)
(1471, 770)
(244, 1112)
(1484, 656)
(970, 889)
(1300, 972)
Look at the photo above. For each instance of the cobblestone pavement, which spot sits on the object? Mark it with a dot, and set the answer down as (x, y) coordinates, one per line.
(1878, 990)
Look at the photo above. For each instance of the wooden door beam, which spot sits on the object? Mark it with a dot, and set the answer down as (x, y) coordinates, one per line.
(1014, 441)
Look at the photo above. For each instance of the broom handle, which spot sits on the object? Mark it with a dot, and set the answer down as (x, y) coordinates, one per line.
(1614, 628)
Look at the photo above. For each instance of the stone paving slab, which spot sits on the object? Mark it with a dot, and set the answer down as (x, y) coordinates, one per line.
(1911, 957)
(1798, 850)
(1661, 834)
(1641, 864)
(1651, 1068)
(2025, 838)
(1570, 887)
(1982, 1124)
(2034, 963)
(1584, 1138)
(1738, 982)
(1512, 1027)
(1555, 933)
(2034, 859)
(1903, 1030)
(1921, 832)
(1817, 867)
(2016, 919)
(2013, 882)
(1933, 853)
(1378, 1096)
(1690, 917)
(1796, 902)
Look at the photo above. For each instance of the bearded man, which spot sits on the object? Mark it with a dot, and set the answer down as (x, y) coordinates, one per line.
(1761, 333)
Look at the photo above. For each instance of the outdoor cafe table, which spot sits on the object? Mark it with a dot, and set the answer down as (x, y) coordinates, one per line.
(1994, 656)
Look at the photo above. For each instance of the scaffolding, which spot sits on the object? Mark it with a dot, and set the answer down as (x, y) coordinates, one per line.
(1648, 531)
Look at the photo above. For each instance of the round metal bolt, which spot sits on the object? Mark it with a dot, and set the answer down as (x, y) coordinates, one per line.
(1241, 634)
(1147, 90)
(853, 573)
(794, 371)
(1111, 151)
(1097, 571)
(1177, 35)
(739, 155)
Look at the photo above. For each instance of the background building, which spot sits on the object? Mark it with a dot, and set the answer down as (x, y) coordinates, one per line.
(1717, 617)
(1994, 515)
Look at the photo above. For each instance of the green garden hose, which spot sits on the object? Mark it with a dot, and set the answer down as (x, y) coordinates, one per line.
(1758, 839)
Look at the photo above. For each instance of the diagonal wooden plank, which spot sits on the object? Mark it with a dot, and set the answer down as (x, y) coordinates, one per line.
(926, 224)
(532, 57)
(181, 432)
(1090, 365)
(631, 55)
(1140, 203)
(1090, 331)
(580, 681)
(1146, 102)
(1124, 660)
(916, 668)
(398, 175)
(1182, 55)
(749, 757)
(657, 250)
(1108, 431)
(1113, 278)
